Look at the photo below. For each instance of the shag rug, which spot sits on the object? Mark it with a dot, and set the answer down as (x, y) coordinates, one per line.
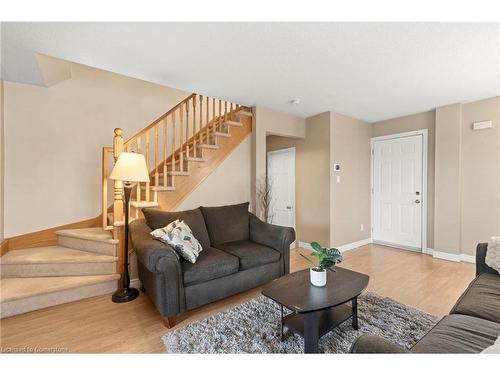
(254, 327)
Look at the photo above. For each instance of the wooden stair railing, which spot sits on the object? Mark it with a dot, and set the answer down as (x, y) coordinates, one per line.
(168, 144)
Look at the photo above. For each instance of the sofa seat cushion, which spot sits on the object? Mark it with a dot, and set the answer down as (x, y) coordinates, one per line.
(481, 299)
(211, 264)
(459, 334)
(227, 223)
(156, 218)
(250, 254)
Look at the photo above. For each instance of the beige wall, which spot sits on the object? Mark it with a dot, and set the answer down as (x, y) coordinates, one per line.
(268, 122)
(350, 196)
(54, 138)
(312, 181)
(480, 161)
(228, 184)
(2, 148)
(425, 120)
(447, 207)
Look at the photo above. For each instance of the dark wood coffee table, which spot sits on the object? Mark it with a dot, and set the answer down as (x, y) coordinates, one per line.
(317, 310)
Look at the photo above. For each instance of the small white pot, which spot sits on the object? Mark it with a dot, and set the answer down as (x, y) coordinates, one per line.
(318, 278)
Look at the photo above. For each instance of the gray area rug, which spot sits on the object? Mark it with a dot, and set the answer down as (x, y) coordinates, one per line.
(253, 327)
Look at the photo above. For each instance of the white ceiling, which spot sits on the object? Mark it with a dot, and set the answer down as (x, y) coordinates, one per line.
(371, 71)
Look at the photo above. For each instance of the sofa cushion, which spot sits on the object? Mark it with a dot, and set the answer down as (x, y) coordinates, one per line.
(227, 223)
(250, 254)
(481, 299)
(156, 218)
(459, 334)
(211, 264)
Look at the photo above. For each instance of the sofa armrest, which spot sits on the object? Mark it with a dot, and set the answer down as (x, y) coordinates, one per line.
(376, 344)
(155, 255)
(481, 266)
(277, 237)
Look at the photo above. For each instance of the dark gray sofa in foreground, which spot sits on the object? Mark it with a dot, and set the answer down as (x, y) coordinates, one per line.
(472, 326)
(240, 252)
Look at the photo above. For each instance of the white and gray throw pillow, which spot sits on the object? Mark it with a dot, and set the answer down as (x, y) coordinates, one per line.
(493, 253)
(178, 235)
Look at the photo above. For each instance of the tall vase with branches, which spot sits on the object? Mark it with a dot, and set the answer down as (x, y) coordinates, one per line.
(263, 192)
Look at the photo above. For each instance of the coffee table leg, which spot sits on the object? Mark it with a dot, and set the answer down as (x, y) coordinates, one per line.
(311, 333)
(355, 313)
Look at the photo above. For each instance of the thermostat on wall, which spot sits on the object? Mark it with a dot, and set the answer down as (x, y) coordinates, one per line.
(482, 125)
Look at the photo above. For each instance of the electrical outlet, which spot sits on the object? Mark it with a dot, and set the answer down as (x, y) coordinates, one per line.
(362, 227)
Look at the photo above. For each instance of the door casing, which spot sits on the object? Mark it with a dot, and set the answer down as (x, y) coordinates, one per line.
(424, 134)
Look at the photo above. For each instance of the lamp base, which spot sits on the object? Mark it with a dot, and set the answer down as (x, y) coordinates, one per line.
(125, 295)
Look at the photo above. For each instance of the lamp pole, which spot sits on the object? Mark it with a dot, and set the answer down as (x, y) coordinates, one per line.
(126, 293)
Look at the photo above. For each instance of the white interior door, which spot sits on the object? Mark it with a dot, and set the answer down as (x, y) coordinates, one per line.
(281, 179)
(397, 194)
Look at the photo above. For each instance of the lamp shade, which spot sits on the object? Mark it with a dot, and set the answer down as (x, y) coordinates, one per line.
(130, 167)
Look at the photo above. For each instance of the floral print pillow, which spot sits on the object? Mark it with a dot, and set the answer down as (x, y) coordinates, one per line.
(178, 235)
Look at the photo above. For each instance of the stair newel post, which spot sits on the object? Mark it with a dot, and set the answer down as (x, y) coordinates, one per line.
(118, 201)
(194, 126)
(181, 123)
(118, 185)
(187, 128)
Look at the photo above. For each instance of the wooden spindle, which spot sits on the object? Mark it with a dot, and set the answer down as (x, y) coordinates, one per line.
(156, 157)
(208, 115)
(201, 118)
(213, 114)
(165, 123)
(225, 111)
(172, 159)
(195, 102)
(148, 165)
(219, 120)
(187, 129)
(138, 195)
(181, 131)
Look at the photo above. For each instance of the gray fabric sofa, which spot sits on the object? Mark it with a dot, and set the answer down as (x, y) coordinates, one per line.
(240, 252)
(472, 325)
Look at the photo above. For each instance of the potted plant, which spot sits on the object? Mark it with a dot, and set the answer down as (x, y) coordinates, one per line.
(327, 259)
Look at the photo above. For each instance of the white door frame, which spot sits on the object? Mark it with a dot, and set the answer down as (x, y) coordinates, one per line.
(423, 133)
(281, 151)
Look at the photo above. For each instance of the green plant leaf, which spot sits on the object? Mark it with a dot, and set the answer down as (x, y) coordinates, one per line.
(316, 246)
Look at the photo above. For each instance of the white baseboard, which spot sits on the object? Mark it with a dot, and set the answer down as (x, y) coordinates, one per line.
(428, 251)
(342, 248)
(451, 257)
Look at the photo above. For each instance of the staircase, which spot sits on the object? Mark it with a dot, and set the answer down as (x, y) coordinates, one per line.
(81, 265)
(182, 147)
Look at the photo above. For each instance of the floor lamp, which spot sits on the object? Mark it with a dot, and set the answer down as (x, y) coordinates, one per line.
(130, 168)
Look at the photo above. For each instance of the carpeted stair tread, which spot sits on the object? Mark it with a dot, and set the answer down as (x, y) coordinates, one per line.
(53, 254)
(19, 288)
(91, 234)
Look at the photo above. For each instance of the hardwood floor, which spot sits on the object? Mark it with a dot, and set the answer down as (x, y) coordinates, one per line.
(96, 325)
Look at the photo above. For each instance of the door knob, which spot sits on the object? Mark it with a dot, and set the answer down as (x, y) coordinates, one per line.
(288, 207)
(417, 201)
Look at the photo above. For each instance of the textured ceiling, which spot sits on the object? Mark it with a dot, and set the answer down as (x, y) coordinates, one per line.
(371, 71)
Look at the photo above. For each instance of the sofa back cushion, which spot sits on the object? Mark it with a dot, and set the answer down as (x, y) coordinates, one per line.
(156, 218)
(227, 223)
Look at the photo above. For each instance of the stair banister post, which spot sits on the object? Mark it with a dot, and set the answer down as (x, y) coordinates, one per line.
(118, 185)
